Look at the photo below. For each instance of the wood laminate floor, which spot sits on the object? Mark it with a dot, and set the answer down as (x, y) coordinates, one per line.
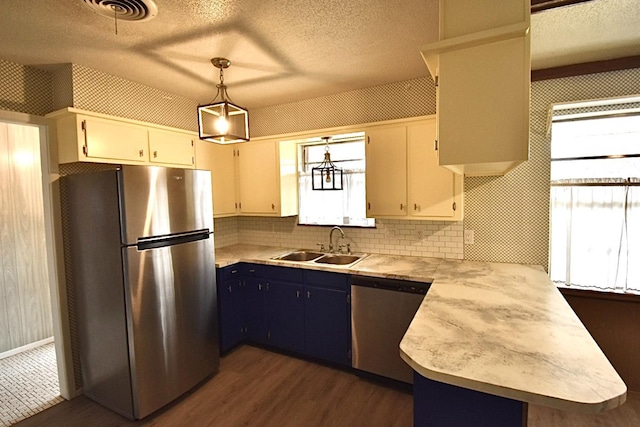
(256, 387)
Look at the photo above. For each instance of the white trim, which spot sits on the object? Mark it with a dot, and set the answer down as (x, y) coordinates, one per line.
(30, 346)
(596, 102)
(55, 259)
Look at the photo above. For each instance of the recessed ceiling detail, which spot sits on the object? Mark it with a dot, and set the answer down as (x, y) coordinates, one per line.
(128, 10)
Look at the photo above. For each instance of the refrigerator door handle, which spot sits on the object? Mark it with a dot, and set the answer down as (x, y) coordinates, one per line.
(172, 239)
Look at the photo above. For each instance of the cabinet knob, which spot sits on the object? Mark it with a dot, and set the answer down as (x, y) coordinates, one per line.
(401, 207)
(273, 207)
(415, 206)
(141, 153)
(297, 294)
(369, 206)
(229, 288)
(155, 154)
(308, 294)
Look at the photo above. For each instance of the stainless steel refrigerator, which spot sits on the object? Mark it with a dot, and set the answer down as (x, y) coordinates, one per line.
(143, 273)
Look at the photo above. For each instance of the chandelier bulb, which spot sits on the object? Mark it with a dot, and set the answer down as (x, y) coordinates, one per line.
(222, 125)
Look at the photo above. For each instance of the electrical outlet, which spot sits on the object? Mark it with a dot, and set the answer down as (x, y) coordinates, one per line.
(469, 237)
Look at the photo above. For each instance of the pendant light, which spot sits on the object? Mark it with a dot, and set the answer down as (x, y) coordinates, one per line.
(221, 121)
(326, 176)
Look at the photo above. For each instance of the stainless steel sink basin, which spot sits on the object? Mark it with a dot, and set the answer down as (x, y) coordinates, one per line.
(300, 256)
(338, 259)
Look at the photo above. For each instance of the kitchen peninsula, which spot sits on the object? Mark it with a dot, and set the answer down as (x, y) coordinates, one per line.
(502, 331)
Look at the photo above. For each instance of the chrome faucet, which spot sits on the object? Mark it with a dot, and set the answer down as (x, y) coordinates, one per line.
(331, 237)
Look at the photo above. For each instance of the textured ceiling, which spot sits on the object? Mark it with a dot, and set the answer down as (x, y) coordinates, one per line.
(590, 31)
(283, 50)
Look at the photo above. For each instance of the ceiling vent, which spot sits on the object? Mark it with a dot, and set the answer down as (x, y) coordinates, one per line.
(126, 10)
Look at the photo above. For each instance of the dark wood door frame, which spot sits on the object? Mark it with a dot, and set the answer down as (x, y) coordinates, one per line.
(540, 5)
(586, 68)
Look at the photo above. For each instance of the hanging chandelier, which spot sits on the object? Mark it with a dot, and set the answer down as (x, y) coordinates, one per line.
(326, 176)
(222, 121)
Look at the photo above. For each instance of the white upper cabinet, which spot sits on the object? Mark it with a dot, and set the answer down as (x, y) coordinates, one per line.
(93, 139)
(267, 178)
(386, 171)
(84, 136)
(434, 192)
(220, 159)
(171, 148)
(403, 178)
(481, 66)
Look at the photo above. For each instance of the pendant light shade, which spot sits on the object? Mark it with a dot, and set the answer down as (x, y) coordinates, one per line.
(326, 176)
(221, 121)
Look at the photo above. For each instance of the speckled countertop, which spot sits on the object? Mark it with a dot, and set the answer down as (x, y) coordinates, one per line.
(384, 266)
(502, 329)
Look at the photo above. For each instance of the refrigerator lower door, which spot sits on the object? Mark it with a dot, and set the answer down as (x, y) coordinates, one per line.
(171, 321)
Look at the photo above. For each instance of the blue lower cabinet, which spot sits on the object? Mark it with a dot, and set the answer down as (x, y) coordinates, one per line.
(303, 311)
(437, 404)
(285, 315)
(326, 319)
(254, 308)
(230, 308)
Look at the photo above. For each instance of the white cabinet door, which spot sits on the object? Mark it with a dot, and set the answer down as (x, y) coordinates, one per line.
(483, 107)
(386, 175)
(258, 178)
(171, 148)
(221, 161)
(111, 140)
(431, 187)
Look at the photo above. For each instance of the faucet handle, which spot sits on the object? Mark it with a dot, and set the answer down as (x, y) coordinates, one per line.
(321, 246)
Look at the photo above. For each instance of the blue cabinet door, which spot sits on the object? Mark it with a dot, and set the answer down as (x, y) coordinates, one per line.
(254, 308)
(285, 315)
(230, 308)
(327, 320)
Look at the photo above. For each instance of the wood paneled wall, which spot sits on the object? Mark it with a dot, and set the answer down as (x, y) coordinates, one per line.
(614, 323)
(25, 306)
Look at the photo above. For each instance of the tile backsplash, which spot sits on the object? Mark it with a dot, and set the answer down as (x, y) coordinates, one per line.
(438, 239)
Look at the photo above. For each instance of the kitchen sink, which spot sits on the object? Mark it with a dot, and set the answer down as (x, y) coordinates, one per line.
(299, 256)
(338, 259)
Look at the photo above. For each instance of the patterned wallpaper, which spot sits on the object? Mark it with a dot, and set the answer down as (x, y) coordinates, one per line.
(103, 93)
(25, 89)
(510, 214)
(409, 98)
(30, 90)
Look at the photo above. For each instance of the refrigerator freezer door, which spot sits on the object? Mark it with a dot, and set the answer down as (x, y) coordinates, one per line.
(172, 320)
(157, 201)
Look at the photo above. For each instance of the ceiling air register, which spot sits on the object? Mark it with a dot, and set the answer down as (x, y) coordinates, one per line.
(221, 121)
(326, 176)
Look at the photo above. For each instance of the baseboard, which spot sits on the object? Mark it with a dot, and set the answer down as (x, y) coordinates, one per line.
(17, 350)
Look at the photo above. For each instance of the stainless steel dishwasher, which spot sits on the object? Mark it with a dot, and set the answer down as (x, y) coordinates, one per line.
(381, 311)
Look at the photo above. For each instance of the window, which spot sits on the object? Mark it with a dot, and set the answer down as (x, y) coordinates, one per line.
(345, 207)
(595, 197)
